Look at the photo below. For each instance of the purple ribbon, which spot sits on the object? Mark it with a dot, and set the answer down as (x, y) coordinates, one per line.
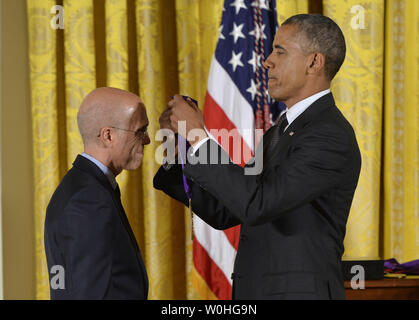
(182, 152)
(183, 145)
(393, 266)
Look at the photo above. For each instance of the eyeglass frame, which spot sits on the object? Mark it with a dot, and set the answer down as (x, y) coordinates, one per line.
(143, 133)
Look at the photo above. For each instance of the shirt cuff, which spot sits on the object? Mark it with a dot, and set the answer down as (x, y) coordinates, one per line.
(200, 143)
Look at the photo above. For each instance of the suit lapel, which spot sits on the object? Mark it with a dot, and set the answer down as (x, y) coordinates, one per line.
(125, 222)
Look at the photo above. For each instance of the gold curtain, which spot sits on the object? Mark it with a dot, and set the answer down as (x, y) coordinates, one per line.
(156, 48)
(377, 90)
(358, 89)
(288, 8)
(401, 131)
(46, 155)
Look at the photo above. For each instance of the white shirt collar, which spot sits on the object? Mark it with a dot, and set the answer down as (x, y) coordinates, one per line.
(298, 108)
(106, 171)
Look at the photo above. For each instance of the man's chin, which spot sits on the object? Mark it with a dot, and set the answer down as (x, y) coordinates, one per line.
(134, 165)
(275, 95)
(137, 164)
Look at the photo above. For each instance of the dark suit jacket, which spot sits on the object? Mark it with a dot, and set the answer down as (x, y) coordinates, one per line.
(293, 215)
(88, 234)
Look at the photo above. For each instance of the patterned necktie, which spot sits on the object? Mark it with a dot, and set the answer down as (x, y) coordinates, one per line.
(282, 123)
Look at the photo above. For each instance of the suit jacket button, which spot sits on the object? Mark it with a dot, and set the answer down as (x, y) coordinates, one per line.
(235, 275)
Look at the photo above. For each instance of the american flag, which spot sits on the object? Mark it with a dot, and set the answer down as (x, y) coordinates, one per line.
(237, 100)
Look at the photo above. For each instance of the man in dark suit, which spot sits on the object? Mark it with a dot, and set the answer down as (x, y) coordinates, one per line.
(293, 214)
(90, 248)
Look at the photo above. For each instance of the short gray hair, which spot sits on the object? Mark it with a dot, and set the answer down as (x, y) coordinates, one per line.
(323, 35)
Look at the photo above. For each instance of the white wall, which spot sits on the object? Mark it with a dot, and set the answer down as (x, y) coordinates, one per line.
(17, 231)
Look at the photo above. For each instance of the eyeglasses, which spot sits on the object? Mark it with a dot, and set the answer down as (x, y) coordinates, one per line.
(139, 134)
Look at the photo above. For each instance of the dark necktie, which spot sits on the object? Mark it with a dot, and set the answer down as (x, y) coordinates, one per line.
(282, 123)
(278, 128)
(274, 132)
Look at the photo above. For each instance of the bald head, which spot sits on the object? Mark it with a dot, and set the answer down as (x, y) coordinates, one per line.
(105, 107)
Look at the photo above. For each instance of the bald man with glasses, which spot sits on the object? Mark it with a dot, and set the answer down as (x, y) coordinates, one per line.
(90, 248)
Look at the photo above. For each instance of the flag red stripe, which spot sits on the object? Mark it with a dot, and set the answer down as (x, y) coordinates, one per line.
(233, 235)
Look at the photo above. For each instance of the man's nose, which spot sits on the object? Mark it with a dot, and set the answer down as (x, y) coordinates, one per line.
(146, 139)
(267, 63)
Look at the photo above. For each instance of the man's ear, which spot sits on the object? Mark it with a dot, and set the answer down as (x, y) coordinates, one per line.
(315, 63)
(105, 136)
